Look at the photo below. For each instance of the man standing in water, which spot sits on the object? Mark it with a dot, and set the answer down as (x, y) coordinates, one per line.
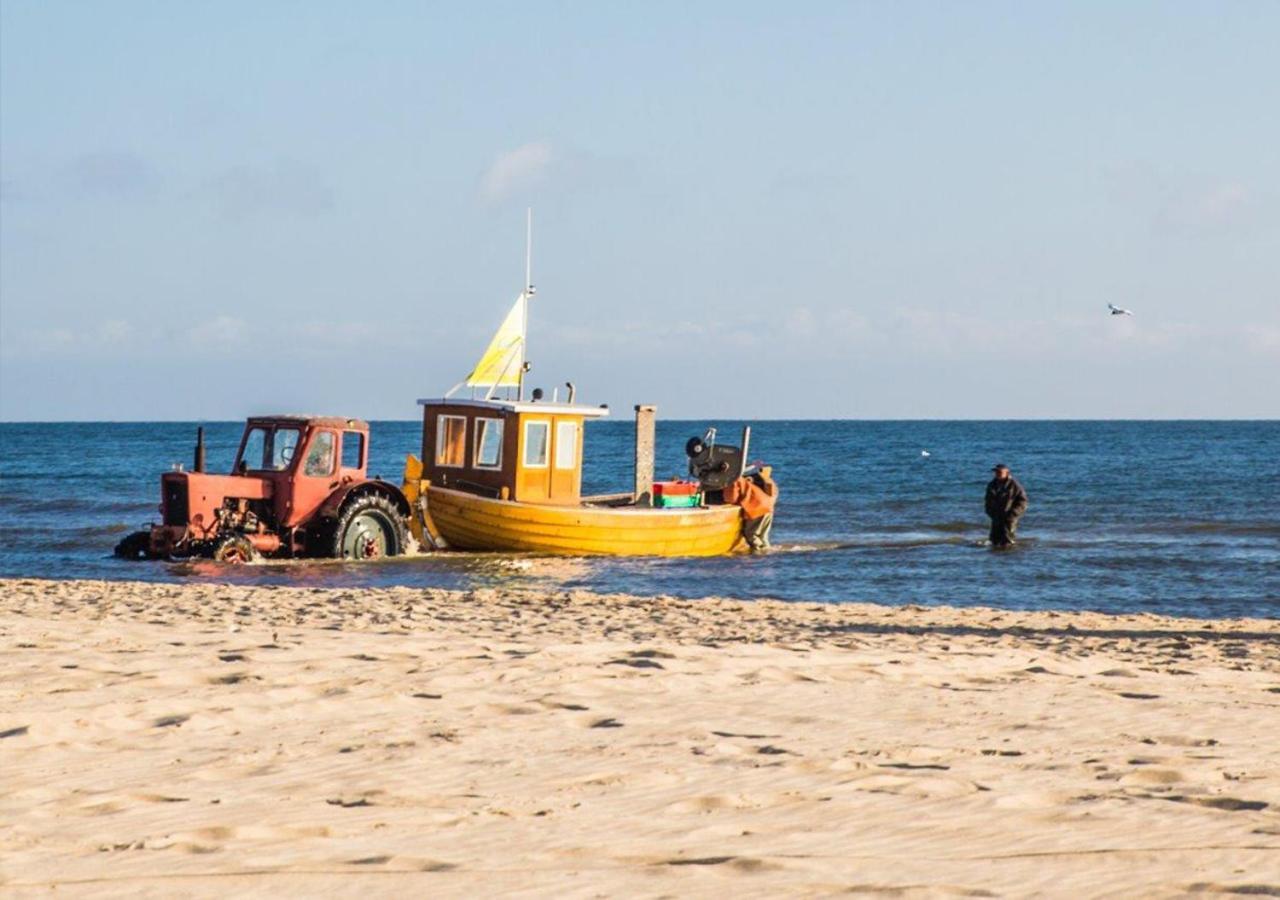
(1006, 502)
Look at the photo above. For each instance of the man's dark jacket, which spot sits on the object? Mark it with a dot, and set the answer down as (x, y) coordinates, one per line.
(1006, 499)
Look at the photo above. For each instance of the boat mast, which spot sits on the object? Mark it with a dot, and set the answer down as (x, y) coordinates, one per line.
(529, 291)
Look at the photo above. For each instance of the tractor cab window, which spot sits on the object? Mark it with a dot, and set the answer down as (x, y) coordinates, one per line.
(352, 449)
(268, 449)
(254, 454)
(283, 445)
(320, 456)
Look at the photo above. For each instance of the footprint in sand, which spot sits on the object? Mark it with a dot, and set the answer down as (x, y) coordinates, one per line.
(1251, 889)
(918, 786)
(740, 863)
(636, 663)
(1230, 804)
(348, 802)
(1153, 777)
(233, 678)
(712, 803)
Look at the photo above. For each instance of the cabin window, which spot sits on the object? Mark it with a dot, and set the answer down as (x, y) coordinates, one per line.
(268, 449)
(320, 456)
(283, 446)
(488, 443)
(536, 438)
(451, 441)
(566, 445)
(352, 449)
(254, 454)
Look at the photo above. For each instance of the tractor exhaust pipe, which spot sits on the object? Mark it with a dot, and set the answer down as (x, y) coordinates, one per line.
(199, 466)
(573, 391)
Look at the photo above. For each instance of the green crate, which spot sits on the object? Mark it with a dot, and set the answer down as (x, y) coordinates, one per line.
(678, 501)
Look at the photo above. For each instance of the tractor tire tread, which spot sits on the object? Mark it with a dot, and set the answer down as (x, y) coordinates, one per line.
(135, 546)
(360, 503)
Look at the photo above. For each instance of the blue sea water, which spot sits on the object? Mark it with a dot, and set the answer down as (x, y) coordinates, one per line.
(1172, 517)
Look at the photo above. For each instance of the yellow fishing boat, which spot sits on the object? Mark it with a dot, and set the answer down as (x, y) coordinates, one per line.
(505, 474)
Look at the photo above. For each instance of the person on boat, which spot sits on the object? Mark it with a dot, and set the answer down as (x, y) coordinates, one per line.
(1006, 502)
(757, 494)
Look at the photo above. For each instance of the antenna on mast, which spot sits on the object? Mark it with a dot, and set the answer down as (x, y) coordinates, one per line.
(529, 291)
(528, 253)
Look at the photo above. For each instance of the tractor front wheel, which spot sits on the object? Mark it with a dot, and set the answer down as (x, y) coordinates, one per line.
(135, 546)
(370, 527)
(235, 551)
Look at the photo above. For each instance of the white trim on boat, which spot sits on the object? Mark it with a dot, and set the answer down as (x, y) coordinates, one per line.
(518, 406)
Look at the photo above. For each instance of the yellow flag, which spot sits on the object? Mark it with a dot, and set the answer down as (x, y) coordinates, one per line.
(504, 357)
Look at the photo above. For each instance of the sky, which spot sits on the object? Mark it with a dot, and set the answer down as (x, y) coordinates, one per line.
(757, 210)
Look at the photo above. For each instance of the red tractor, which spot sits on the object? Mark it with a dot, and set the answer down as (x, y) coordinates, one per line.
(298, 488)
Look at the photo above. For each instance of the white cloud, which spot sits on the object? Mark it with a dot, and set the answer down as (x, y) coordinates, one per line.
(111, 333)
(114, 174)
(222, 331)
(1180, 203)
(524, 167)
(286, 188)
(1264, 340)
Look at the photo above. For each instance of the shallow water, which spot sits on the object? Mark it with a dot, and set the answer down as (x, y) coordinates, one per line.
(1174, 517)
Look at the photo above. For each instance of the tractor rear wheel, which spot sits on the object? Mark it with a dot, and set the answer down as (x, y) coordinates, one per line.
(369, 527)
(135, 546)
(235, 551)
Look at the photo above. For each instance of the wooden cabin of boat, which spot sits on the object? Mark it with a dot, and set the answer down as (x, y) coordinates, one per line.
(525, 451)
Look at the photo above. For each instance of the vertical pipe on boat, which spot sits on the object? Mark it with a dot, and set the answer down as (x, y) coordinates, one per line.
(645, 429)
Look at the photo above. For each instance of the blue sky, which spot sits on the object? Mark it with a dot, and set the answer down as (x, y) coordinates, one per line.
(891, 210)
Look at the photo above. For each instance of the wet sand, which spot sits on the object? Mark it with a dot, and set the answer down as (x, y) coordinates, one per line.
(198, 739)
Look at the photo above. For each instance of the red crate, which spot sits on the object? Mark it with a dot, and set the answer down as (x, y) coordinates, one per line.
(675, 488)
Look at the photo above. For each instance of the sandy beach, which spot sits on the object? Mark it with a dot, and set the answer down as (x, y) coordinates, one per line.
(199, 739)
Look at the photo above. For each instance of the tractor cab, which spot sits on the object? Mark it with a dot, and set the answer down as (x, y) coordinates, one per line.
(303, 458)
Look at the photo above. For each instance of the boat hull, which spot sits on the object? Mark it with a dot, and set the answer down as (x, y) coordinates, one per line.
(470, 522)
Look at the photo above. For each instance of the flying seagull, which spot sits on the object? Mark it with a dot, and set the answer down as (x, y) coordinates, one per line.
(1119, 310)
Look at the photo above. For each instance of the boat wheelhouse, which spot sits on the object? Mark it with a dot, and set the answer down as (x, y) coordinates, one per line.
(529, 452)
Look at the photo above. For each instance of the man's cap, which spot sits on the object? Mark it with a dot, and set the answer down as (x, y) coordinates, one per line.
(998, 466)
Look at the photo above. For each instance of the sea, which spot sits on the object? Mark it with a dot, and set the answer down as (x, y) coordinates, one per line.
(1181, 518)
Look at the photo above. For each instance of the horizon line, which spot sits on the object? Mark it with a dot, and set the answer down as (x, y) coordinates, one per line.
(167, 421)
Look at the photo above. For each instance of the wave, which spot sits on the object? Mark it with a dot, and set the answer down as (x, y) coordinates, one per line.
(1263, 528)
(960, 526)
(77, 504)
(876, 541)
